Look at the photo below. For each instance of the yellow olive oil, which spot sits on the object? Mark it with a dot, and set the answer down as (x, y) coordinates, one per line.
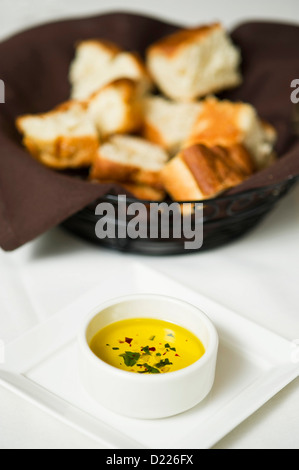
(147, 346)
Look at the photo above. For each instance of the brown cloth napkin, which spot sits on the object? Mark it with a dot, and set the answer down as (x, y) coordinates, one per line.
(34, 66)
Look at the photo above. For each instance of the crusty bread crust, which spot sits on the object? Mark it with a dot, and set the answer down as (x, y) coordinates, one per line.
(195, 62)
(227, 123)
(62, 107)
(170, 45)
(129, 159)
(152, 134)
(239, 158)
(144, 192)
(212, 169)
(63, 150)
(200, 172)
(218, 123)
(179, 181)
(98, 62)
(106, 170)
(102, 44)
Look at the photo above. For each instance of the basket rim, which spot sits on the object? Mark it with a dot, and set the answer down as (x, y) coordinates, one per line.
(225, 198)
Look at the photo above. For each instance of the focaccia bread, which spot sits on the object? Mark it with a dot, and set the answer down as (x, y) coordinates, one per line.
(200, 172)
(168, 123)
(98, 63)
(193, 63)
(116, 108)
(129, 159)
(226, 123)
(62, 138)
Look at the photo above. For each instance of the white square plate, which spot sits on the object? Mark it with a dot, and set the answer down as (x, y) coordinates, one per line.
(253, 365)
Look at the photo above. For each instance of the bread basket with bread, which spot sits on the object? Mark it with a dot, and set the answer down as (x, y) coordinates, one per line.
(164, 114)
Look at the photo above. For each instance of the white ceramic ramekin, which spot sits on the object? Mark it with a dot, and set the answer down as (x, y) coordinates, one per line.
(146, 396)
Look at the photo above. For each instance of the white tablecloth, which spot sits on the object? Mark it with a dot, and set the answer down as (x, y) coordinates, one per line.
(257, 276)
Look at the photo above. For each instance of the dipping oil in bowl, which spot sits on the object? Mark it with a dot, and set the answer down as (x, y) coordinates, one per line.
(147, 346)
(147, 356)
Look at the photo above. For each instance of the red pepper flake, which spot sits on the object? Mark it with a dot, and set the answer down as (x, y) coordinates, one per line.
(129, 341)
(165, 353)
(120, 342)
(177, 355)
(152, 349)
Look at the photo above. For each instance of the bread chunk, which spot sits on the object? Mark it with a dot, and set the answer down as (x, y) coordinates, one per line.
(116, 108)
(200, 172)
(62, 138)
(193, 63)
(131, 160)
(145, 192)
(226, 123)
(98, 63)
(168, 123)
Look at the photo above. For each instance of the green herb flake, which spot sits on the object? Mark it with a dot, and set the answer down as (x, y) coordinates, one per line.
(167, 345)
(164, 363)
(149, 369)
(158, 354)
(146, 350)
(130, 358)
(152, 338)
(115, 349)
